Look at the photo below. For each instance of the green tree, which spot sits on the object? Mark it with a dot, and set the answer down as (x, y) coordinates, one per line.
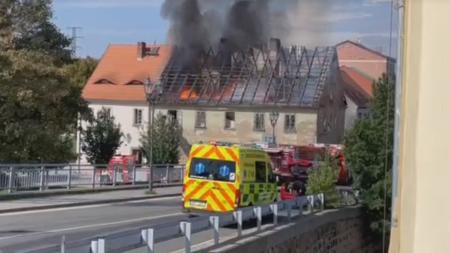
(101, 138)
(39, 104)
(369, 155)
(27, 25)
(166, 140)
(322, 179)
(80, 70)
(38, 109)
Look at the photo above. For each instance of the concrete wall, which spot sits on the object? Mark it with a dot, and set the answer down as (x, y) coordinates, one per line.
(338, 231)
(245, 132)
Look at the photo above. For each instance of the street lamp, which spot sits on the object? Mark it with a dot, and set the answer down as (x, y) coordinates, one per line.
(152, 92)
(273, 121)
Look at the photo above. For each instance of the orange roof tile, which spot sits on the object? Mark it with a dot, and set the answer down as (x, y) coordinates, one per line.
(120, 75)
(356, 85)
(352, 50)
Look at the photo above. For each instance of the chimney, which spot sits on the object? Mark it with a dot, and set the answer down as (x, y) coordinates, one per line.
(141, 50)
(274, 44)
(274, 49)
(225, 53)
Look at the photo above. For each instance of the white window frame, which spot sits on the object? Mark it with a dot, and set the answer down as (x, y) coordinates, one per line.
(255, 122)
(200, 125)
(137, 117)
(289, 127)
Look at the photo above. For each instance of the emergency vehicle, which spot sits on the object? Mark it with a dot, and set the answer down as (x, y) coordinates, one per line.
(220, 178)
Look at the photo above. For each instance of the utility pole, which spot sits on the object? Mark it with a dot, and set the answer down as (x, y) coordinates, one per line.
(74, 39)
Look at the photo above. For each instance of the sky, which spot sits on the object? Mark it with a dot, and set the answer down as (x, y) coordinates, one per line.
(105, 22)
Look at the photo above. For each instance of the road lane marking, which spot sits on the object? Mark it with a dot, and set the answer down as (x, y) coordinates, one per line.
(84, 207)
(92, 225)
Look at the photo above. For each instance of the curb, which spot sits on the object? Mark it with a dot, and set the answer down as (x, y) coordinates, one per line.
(87, 203)
(44, 194)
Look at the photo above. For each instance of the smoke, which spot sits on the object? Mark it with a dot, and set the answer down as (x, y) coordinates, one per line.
(198, 25)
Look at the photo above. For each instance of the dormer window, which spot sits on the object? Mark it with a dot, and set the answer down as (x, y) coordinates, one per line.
(104, 81)
(135, 82)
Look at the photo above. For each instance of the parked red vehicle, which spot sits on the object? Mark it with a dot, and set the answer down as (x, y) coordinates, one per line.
(292, 163)
(119, 170)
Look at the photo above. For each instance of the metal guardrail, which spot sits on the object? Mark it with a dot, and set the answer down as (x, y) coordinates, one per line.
(149, 236)
(41, 177)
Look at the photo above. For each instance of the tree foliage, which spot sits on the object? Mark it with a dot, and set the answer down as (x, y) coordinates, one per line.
(166, 140)
(101, 138)
(369, 155)
(80, 70)
(322, 179)
(27, 25)
(39, 104)
(38, 109)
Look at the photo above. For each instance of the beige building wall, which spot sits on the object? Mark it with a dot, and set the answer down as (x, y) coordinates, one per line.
(422, 210)
(244, 131)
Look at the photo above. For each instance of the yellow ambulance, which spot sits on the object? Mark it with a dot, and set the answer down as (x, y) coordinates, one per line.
(222, 178)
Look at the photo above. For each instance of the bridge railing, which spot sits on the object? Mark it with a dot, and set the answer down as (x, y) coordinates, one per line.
(149, 236)
(42, 177)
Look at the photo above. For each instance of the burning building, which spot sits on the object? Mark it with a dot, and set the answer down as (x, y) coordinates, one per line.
(227, 94)
(222, 77)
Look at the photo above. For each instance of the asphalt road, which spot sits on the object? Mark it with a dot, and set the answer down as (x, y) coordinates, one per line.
(29, 230)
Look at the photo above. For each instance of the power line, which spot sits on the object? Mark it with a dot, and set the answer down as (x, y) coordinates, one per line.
(74, 38)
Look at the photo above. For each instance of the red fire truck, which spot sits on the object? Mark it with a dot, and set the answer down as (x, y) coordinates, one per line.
(292, 163)
(119, 170)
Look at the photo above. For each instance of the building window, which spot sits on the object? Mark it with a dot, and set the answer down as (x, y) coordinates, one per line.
(172, 114)
(289, 123)
(200, 120)
(137, 117)
(230, 120)
(259, 124)
(260, 172)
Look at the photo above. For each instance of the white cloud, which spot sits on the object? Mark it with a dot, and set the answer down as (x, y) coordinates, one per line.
(107, 3)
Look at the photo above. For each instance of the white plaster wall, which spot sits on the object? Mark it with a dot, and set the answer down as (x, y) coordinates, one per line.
(124, 115)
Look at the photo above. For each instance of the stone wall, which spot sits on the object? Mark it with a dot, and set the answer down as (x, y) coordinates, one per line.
(337, 231)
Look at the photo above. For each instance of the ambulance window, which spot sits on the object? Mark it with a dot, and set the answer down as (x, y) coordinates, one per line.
(213, 169)
(260, 172)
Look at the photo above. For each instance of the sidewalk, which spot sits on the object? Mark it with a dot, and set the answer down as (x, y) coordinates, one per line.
(60, 201)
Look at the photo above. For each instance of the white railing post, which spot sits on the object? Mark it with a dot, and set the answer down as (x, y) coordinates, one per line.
(42, 181)
(69, 178)
(311, 204)
(257, 211)
(238, 217)
(167, 174)
(214, 221)
(322, 201)
(148, 236)
(11, 179)
(94, 170)
(289, 210)
(134, 174)
(98, 246)
(186, 230)
(274, 209)
(114, 175)
(63, 244)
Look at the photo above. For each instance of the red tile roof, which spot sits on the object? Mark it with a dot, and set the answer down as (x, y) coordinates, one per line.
(364, 53)
(356, 85)
(120, 75)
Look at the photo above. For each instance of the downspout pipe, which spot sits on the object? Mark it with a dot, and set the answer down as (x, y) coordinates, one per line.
(398, 97)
